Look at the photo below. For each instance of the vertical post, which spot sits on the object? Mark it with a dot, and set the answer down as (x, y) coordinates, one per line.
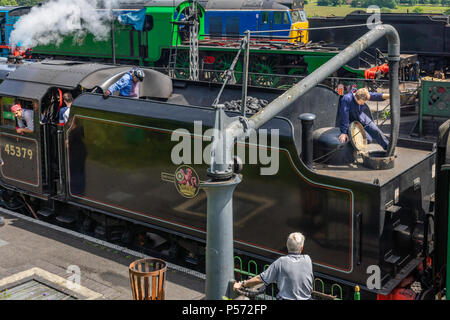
(113, 44)
(219, 232)
(447, 274)
(61, 148)
(193, 43)
(245, 72)
(357, 294)
(219, 238)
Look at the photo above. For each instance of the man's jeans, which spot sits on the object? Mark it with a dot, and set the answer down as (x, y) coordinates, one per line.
(373, 132)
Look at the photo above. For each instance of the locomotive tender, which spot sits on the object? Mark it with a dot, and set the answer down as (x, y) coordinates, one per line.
(112, 161)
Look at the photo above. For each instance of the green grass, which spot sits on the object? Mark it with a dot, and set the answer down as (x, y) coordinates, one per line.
(313, 10)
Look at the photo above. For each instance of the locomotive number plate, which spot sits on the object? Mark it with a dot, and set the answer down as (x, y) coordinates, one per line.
(19, 157)
(18, 151)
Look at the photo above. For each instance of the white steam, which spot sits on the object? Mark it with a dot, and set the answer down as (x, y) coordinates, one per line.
(56, 19)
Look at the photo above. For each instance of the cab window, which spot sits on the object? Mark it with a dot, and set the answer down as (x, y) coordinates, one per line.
(7, 117)
(281, 18)
(298, 16)
(277, 17)
(265, 17)
(286, 18)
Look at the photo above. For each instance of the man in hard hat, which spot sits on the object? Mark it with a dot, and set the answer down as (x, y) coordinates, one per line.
(128, 85)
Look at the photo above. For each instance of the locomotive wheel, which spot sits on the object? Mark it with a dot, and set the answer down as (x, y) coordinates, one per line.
(182, 65)
(259, 68)
(290, 81)
(222, 64)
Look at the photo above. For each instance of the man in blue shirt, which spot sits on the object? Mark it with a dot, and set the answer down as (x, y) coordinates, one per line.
(127, 85)
(64, 112)
(351, 109)
(292, 273)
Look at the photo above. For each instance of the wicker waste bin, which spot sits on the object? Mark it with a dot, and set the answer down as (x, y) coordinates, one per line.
(147, 277)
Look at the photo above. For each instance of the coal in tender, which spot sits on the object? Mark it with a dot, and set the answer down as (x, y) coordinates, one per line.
(253, 105)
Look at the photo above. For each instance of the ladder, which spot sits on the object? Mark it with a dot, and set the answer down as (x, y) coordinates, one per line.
(173, 51)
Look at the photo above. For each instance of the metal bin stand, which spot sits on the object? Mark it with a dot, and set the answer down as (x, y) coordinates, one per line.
(147, 277)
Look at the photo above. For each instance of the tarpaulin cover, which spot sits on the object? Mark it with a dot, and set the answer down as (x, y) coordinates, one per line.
(134, 18)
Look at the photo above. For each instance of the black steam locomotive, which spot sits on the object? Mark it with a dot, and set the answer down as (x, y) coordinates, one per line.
(110, 170)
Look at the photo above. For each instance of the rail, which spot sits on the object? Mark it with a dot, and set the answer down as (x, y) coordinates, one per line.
(319, 292)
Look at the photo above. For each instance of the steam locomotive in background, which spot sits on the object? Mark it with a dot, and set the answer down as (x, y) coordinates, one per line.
(163, 44)
(427, 35)
(293, 53)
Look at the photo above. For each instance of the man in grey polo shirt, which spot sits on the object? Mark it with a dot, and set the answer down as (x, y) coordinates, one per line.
(293, 273)
(25, 119)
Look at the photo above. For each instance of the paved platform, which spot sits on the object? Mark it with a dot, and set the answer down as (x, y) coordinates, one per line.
(30, 249)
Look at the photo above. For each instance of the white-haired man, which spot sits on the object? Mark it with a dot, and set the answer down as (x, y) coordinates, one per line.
(293, 273)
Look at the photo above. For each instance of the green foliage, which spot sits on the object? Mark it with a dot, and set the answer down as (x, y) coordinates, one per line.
(323, 2)
(335, 3)
(356, 4)
(417, 10)
(386, 10)
(28, 2)
(392, 4)
(386, 114)
(8, 3)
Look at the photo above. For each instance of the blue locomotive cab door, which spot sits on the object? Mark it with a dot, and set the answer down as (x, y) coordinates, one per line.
(20, 145)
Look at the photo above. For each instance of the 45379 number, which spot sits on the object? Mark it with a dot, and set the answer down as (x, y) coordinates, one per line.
(19, 152)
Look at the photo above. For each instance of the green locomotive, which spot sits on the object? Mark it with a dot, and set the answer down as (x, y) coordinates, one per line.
(165, 38)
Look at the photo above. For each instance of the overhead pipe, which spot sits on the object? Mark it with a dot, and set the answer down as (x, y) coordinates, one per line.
(237, 128)
(220, 188)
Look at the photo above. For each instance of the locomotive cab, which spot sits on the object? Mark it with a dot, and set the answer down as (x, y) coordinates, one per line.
(34, 162)
(20, 153)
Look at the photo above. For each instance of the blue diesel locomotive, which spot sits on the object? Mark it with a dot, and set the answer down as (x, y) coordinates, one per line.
(233, 18)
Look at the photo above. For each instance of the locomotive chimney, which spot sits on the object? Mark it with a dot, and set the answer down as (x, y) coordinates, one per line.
(307, 138)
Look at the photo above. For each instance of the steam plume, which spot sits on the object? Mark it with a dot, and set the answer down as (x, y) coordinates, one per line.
(55, 19)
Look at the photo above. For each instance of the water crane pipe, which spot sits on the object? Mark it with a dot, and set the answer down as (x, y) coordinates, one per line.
(220, 188)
